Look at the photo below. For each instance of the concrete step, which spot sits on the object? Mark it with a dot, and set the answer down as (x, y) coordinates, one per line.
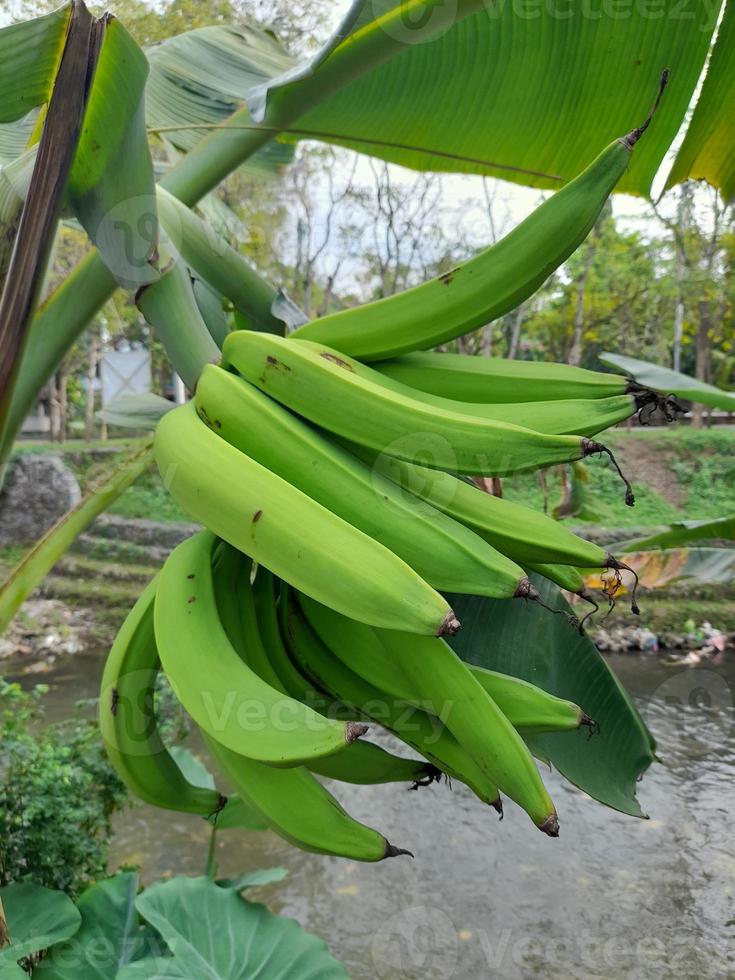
(84, 569)
(110, 549)
(141, 531)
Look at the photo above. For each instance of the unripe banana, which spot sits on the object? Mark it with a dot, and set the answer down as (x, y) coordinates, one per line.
(289, 533)
(438, 678)
(128, 723)
(298, 808)
(528, 708)
(500, 380)
(361, 762)
(446, 554)
(354, 402)
(221, 693)
(417, 728)
(487, 286)
(525, 535)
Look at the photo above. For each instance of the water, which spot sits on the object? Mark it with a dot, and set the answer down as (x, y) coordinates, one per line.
(613, 897)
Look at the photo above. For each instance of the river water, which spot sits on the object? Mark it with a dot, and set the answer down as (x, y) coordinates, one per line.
(614, 897)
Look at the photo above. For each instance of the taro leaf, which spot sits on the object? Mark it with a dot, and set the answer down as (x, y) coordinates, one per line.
(681, 533)
(213, 933)
(590, 79)
(708, 151)
(266, 876)
(670, 382)
(111, 187)
(37, 918)
(109, 936)
(658, 569)
(30, 53)
(136, 411)
(36, 563)
(527, 641)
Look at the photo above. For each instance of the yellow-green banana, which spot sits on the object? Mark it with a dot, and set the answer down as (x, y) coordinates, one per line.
(341, 396)
(525, 535)
(294, 536)
(128, 723)
(224, 696)
(499, 380)
(424, 732)
(298, 808)
(487, 286)
(446, 554)
(439, 680)
(361, 762)
(528, 708)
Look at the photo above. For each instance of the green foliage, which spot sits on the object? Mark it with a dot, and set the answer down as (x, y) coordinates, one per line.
(57, 795)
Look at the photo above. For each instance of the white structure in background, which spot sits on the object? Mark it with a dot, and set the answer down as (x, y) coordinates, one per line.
(124, 373)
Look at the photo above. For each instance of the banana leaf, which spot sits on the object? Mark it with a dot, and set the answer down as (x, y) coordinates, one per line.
(681, 533)
(527, 641)
(670, 382)
(546, 89)
(30, 54)
(199, 78)
(668, 566)
(708, 150)
(111, 188)
(135, 411)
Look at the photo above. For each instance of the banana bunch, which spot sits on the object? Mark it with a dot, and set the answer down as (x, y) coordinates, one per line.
(332, 472)
(281, 687)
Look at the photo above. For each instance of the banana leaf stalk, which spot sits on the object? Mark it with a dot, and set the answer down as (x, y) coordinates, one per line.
(33, 568)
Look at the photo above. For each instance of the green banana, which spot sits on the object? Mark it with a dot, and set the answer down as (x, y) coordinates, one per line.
(128, 724)
(298, 808)
(294, 536)
(354, 402)
(361, 762)
(562, 416)
(439, 680)
(486, 287)
(525, 535)
(224, 696)
(500, 380)
(417, 728)
(527, 707)
(531, 709)
(446, 554)
(366, 764)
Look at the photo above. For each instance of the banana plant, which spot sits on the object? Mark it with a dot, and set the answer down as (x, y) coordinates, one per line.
(393, 81)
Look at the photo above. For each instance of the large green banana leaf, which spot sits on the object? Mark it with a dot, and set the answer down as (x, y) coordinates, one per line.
(30, 54)
(670, 382)
(527, 641)
(681, 533)
(708, 150)
(202, 77)
(537, 87)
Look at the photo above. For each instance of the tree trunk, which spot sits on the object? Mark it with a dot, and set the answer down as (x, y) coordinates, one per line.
(575, 354)
(515, 333)
(700, 372)
(54, 408)
(63, 404)
(94, 347)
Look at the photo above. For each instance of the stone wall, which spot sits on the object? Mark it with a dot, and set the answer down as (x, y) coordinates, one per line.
(38, 490)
